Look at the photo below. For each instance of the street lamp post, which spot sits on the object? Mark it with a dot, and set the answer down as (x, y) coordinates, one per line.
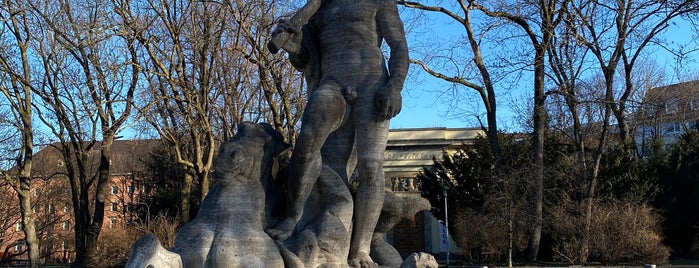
(446, 226)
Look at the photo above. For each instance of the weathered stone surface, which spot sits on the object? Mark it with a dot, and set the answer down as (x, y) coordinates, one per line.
(229, 229)
(322, 237)
(353, 94)
(395, 209)
(148, 252)
(420, 260)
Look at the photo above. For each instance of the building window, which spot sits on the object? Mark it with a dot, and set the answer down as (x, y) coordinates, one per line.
(35, 209)
(129, 189)
(18, 226)
(63, 246)
(113, 206)
(66, 225)
(672, 106)
(49, 209)
(694, 105)
(112, 222)
(674, 127)
(115, 189)
(66, 208)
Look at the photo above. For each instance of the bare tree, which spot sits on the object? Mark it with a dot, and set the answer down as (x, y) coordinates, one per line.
(181, 41)
(206, 63)
(87, 89)
(615, 35)
(537, 20)
(16, 73)
(481, 81)
(283, 99)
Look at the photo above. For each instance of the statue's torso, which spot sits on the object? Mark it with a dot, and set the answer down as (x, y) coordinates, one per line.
(349, 40)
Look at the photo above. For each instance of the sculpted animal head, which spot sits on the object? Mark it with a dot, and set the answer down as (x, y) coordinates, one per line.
(249, 152)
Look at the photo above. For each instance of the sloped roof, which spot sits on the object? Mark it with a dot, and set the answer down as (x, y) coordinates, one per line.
(680, 91)
(128, 156)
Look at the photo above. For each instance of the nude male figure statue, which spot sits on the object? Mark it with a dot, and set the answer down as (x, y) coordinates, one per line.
(348, 108)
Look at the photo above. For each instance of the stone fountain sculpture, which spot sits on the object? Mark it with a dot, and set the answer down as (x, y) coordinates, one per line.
(353, 92)
(229, 230)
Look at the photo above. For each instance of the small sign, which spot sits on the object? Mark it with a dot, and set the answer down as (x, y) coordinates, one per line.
(444, 245)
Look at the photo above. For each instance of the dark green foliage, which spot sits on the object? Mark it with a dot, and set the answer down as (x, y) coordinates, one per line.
(626, 177)
(481, 193)
(679, 198)
(466, 175)
(164, 182)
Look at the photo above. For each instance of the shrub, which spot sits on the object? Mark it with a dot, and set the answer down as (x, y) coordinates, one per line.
(620, 232)
(114, 244)
(113, 247)
(483, 237)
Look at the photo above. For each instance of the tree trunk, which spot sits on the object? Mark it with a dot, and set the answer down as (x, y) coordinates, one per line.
(538, 151)
(186, 195)
(601, 148)
(25, 175)
(205, 183)
(82, 224)
(28, 222)
(103, 187)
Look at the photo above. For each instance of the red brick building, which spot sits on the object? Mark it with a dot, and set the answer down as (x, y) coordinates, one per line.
(52, 203)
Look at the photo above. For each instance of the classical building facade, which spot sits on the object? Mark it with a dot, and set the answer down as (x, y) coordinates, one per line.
(407, 153)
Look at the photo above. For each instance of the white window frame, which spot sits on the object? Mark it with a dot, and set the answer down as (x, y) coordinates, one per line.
(112, 222)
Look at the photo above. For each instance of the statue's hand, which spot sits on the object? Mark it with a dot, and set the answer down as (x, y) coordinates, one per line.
(388, 101)
(285, 26)
(286, 36)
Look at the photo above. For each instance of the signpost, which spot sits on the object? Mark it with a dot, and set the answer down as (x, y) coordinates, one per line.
(445, 244)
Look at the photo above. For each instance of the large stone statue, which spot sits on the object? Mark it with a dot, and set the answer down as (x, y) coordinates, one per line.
(229, 231)
(353, 93)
